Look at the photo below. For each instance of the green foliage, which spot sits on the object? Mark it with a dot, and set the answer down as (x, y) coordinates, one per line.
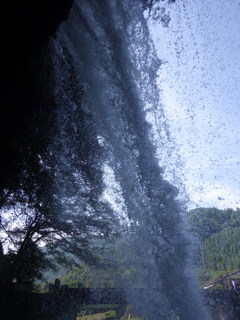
(219, 234)
(112, 269)
(221, 251)
(126, 318)
(98, 316)
(217, 286)
(41, 287)
(207, 221)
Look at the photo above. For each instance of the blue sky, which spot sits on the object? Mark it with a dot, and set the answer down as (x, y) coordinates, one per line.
(201, 96)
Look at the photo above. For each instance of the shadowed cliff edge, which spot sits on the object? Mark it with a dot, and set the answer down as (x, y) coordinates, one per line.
(26, 28)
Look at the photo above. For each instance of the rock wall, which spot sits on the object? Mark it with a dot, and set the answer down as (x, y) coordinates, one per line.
(26, 27)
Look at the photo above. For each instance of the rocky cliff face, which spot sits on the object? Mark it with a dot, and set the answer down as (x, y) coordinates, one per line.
(26, 28)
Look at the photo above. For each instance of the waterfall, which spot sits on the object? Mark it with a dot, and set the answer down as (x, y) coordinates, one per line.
(105, 87)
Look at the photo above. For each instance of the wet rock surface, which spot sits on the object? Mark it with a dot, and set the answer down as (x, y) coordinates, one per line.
(26, 27)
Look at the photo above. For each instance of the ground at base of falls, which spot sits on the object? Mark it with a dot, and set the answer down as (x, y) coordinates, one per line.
(110, 315)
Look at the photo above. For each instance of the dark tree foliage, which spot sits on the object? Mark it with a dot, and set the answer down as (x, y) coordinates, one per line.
(148, 4)
(159, 10)
(43, 206)
(50, 184)
(26, 202)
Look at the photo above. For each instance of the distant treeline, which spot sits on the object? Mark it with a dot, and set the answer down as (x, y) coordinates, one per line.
(218, 232)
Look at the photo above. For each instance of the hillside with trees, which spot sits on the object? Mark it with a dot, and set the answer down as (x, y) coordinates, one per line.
(218, 232)
(217, 235)
(114, 267)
